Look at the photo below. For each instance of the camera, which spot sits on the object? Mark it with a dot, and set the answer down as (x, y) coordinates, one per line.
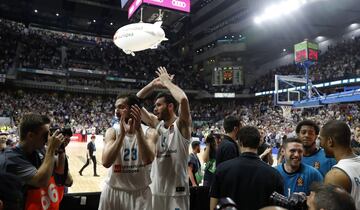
(226, 204)
(296, 201)
(65, 131)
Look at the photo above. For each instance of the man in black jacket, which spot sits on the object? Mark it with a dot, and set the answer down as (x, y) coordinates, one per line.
(228, 148)
(91, 153)
(247, 180)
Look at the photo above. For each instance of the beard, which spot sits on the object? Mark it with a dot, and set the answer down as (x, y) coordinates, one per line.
(164, 115)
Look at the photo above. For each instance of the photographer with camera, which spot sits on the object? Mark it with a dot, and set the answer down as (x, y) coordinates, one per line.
(297, 176)
(62, 174)
(33, 167)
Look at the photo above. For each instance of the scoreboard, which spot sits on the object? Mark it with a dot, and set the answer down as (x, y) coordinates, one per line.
(306, 51)
(227, 76)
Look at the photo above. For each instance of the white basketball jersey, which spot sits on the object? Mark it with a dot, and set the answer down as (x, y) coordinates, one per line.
(128, 172)
(351, 167)
(169, 169)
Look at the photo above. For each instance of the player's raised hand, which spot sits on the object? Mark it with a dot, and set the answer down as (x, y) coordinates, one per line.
(163, 75)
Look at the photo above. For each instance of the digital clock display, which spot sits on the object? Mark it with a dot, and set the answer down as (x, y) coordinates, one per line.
(301, 55)
(227, 77)
(313, 55)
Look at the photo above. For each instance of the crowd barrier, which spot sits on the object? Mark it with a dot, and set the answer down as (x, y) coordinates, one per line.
(199, 200)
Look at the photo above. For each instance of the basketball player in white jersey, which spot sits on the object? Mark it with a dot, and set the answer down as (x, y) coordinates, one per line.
(335, 137)
(129, 154)
(170, 184)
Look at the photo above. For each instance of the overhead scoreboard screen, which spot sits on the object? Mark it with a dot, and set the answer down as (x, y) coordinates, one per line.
(228, 76)
(177, 5)
(306, 51)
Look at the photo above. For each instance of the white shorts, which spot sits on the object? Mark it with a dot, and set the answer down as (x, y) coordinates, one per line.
(114, 199)
(170, 202)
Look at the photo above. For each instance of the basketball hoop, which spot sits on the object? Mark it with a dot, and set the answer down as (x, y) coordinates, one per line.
(286, 112)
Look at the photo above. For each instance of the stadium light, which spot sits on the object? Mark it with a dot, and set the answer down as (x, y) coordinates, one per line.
(111, 23)
(354, 26)
(258, 20)
(36, 11)
(57, 14)
(320, 39)
(94, 21)
(283, 8)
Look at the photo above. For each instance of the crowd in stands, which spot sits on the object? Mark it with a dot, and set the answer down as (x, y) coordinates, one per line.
(8, 39)
(80, 111)
(42, 49)
(338, 62)
(91, 112)
(263, 114)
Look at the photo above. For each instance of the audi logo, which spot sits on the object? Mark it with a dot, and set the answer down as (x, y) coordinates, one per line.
(178, 3)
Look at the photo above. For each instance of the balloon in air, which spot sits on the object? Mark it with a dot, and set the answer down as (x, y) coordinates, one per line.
(139, 36)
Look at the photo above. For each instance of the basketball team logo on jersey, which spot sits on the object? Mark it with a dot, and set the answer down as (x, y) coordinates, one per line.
(164, 144)
(317, 164)
(300, 182)
(171, 129)
(117, 168)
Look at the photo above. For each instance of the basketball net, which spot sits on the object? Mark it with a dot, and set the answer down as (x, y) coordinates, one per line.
(286, 112)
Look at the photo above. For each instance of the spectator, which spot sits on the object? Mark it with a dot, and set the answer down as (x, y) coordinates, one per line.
(209, 158)
(246, 179)
(194, 165)
(264, 150)
(3, 140)
(228, 148)
(355, 143)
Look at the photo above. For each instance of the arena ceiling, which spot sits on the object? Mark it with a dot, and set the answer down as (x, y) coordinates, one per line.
(101, 17)
(326, 18)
